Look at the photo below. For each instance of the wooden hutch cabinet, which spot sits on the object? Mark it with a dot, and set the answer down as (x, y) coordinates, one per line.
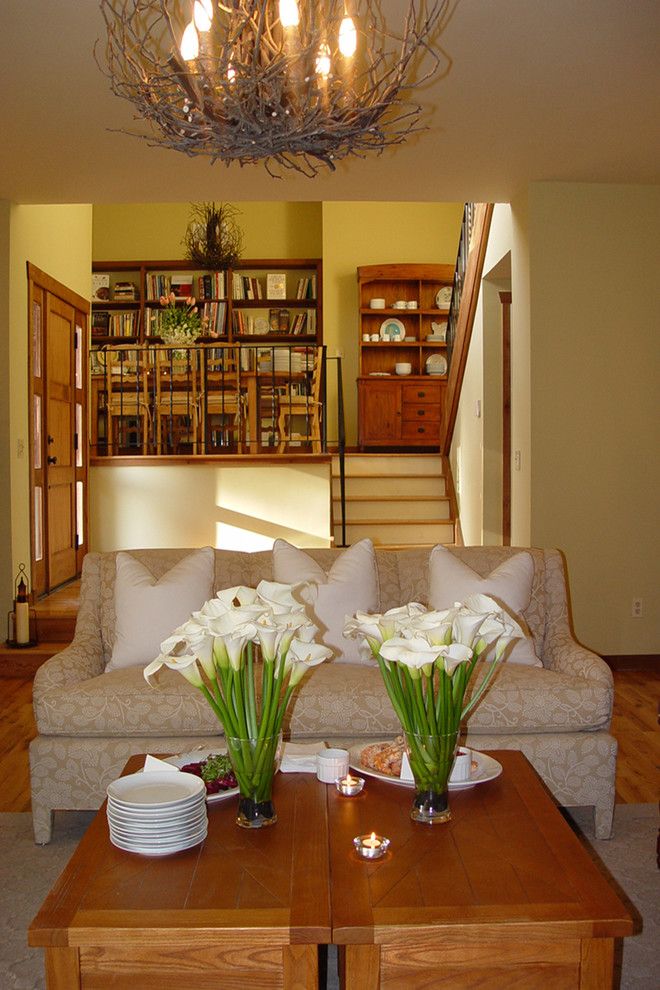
(403, 322)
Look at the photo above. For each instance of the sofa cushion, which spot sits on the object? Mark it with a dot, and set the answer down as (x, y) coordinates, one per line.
(510, 584)
(332, 700)
(148, 609)
(350, 584)
(121, 703)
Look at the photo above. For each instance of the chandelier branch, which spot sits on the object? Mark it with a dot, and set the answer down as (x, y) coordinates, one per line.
(257, 91)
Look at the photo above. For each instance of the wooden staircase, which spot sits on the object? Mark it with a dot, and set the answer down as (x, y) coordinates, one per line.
(395, 499)
(56, 622)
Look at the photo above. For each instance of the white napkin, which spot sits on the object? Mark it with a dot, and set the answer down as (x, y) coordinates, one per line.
(406, 772)
(300, 757)
(153, 763)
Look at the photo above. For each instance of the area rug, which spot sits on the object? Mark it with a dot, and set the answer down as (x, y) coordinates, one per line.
(628, 860)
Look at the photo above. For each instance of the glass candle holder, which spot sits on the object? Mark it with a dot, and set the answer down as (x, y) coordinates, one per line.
(371, 846)
(349, 786)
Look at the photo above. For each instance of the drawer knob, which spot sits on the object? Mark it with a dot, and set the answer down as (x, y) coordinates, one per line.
(421, 412)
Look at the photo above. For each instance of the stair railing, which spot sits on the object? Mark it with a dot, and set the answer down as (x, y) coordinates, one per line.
(465, 294)
(341, 446)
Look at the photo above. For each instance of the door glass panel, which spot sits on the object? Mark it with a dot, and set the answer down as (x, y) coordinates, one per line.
(79, 512)
(36, 439)
(36, 339)
(79, 357)
(79, 434)
(38, 523)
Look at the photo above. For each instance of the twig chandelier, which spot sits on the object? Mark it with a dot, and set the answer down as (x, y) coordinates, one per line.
(297, 83)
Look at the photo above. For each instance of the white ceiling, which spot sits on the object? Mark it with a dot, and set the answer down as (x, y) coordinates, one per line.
(533, 90)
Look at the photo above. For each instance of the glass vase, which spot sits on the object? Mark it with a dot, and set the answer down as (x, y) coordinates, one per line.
(255, 762)
(431, 759)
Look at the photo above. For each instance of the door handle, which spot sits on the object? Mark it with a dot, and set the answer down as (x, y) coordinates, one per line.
(50, 440)
(52, 460)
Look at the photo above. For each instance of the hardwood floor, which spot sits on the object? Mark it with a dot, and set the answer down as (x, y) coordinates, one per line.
(635, 725)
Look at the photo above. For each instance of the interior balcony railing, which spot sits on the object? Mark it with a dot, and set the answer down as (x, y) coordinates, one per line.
(203, 400)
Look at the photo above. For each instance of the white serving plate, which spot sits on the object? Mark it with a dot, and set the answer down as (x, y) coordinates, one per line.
(156, 789)
(487, 769)
(195, 756)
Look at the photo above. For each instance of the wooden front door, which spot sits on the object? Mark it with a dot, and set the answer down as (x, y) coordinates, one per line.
(58, 436)
(60, 454)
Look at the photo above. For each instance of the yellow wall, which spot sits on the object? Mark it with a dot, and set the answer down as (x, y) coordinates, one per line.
(595, 401)
(6, 563)
(585, 399)
(57, 239)
(231, 506)
(142, 231)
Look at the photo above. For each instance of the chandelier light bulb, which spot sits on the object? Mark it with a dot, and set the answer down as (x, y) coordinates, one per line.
(323, 61)
(347, 37)
(289, 14)
(190, 43)
(203, 14)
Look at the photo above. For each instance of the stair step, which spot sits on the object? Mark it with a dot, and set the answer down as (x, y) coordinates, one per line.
(402, 485)
(24, 662)
(395, 510)
(389, 464)
(398, 533)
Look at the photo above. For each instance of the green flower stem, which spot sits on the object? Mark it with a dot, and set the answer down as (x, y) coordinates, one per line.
(251, 704)
(394, 693)
(480, 690)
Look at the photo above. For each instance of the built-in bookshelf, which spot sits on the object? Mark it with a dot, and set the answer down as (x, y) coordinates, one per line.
(259, 299)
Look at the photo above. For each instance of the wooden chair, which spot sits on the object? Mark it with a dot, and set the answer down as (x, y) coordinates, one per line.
(127, 402)
(308, 407)
(176, 398)
(222, 402)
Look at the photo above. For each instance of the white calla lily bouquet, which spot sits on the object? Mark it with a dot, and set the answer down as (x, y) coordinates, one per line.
(427, 658)
(246, 650)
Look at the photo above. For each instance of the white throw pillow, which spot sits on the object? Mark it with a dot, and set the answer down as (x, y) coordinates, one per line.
(350, 584)
(451, 580)
(147, 610)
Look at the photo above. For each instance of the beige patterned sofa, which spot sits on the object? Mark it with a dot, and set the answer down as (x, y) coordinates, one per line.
(90, 722)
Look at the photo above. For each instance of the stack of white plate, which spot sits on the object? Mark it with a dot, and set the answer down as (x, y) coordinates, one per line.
(157, 813)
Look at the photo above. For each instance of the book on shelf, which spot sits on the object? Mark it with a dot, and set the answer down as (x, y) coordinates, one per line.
(182, 285)
(100, 323)
(215, 312)
(158, 284)
(125, 291)
(276, 285)
(100, 287)
(212, 285)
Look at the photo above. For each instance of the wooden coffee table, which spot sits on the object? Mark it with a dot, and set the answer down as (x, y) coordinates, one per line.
(504, 895)
(245, 909)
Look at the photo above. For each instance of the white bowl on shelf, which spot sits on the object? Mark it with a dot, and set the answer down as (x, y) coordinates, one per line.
(377, 304)
(403, 367)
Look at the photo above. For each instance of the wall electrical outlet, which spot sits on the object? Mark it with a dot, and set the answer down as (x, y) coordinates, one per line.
(637, 609)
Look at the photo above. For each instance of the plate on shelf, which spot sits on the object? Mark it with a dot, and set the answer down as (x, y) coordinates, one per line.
(443, 297)
(436, 364)
(380, 374)
(392, 329)
(487, 769)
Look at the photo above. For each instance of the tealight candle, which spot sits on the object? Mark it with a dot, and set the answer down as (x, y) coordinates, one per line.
(371, 846)
(349, 786)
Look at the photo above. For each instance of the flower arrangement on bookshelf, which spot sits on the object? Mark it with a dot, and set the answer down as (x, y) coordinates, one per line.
(179, 324)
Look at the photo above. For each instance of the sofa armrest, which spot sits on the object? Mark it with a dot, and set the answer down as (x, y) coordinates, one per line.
(561, 651)
(83, 658)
